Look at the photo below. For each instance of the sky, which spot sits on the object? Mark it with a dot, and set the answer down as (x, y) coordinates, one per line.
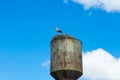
(28, 26)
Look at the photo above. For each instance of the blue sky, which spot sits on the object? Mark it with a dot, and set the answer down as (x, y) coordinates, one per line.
(27, 27)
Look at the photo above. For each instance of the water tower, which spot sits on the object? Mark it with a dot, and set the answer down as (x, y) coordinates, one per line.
(66, 58)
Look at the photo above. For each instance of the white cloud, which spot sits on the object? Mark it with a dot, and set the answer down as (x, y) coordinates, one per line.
(98, 65)
(107, 5)
(46, 63)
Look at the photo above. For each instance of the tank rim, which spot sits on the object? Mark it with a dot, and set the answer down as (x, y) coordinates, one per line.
(63, 36)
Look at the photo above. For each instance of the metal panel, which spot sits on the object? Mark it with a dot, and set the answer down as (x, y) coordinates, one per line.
(66, 55)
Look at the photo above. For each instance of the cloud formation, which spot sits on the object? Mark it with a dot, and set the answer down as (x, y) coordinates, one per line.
(101, 65)
(46, 63)
(98, 65)
(107, 5)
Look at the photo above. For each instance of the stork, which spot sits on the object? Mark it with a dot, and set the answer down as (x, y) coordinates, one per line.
(58, 30)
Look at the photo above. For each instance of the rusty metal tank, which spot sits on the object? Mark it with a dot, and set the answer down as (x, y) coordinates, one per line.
(66, 58)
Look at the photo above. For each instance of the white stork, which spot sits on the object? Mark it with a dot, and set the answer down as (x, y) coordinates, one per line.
(58, 30)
